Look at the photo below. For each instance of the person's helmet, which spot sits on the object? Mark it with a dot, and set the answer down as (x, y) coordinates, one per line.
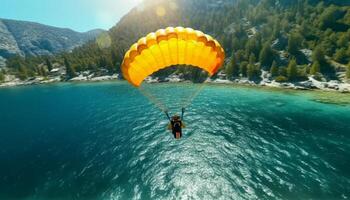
(176, 117)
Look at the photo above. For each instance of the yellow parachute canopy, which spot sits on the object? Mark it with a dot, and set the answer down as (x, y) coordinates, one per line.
(171, 46)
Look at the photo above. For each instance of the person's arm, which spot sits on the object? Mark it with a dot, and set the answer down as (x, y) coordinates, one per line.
(169, 126)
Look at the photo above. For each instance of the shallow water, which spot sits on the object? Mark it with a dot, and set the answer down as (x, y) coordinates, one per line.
(106, 141)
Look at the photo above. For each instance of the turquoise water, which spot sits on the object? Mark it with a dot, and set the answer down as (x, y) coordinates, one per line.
(106, 141)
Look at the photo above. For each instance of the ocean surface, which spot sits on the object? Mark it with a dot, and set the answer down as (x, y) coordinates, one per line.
(108, 141)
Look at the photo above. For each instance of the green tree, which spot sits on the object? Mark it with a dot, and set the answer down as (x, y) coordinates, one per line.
(243, 68)
(114, 57)
(2, 76)
(348, 71)
(266, 56)
(22, 72)
(240, 56)
(281, 79)
(70, 71)
(329, 17)
(274, 69)
(252, 59)
(92, 67)
(292, 71)
(102, 63)
(340, 56)
(42, 71)
(48, 64)
(315, 68)
(232, 69)
(252, 46)
(251, 71)
(282, 71)
(343, 40)
(319, 56)
(294, 43)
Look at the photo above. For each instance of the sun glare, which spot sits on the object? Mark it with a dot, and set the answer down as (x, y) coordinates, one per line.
(160, 11)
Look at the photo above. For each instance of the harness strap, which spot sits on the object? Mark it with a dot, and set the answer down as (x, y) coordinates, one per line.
(153, 99)
(189, 100)
(167, 114)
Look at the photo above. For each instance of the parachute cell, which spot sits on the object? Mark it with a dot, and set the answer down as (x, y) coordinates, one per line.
(171, 46)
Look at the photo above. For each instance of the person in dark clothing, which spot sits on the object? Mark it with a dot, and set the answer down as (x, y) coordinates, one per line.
(176, 125)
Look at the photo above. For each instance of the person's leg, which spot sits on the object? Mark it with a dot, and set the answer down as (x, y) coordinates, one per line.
(174, 133)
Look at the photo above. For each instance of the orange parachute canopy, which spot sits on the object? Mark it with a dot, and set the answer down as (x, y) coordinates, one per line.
(171, 46)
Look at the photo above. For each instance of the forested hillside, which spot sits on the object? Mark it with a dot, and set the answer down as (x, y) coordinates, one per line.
(289, 40)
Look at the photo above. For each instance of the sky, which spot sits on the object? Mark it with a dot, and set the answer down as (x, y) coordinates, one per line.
(79, 15)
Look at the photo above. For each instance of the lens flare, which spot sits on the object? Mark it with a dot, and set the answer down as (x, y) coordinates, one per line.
(173, 6)
(160, 11)
(104, 41)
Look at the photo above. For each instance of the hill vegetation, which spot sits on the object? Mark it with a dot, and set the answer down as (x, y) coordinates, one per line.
(291, 41)
(33, 39)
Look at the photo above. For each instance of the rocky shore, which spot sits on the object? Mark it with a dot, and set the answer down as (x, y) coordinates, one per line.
(46, 80)
(311, 84)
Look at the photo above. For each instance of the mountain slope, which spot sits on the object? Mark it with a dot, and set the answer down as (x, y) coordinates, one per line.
(28, 38)
(255, 34)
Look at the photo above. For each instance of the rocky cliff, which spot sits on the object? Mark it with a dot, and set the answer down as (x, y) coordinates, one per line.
(28, 38)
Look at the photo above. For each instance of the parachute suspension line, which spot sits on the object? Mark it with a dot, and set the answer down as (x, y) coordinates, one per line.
(190, 99)
(154, 100)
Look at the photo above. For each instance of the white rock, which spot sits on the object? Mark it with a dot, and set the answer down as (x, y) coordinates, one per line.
(79, 78)
(221, 81)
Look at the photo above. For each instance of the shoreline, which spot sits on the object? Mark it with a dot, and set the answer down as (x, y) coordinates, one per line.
(309, 85)
(327, 96)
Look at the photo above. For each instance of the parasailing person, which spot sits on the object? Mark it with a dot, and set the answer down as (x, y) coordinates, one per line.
(171, 47)
(176, 124)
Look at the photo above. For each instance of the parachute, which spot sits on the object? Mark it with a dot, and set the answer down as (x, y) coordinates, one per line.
(169, 47)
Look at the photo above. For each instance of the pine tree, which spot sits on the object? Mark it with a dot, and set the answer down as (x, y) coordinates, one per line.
(250, 71)
(70, 72)
(232, 69)
(42, 71)
(266, 56)
(343, 40)
(48, 64)
(292, 71)
(102, 63)
(274, 69)
(22, 72)
(243, 68)
(252, 59)
(252, 46)
(2, 76)
(110, 67)
(92, 67)
(294, 43)
(318, 55)
(340, 56)
(348, 71)
(315, 68)
(282, 71)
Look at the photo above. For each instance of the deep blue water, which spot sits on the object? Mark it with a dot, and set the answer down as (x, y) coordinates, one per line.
(107, 141)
